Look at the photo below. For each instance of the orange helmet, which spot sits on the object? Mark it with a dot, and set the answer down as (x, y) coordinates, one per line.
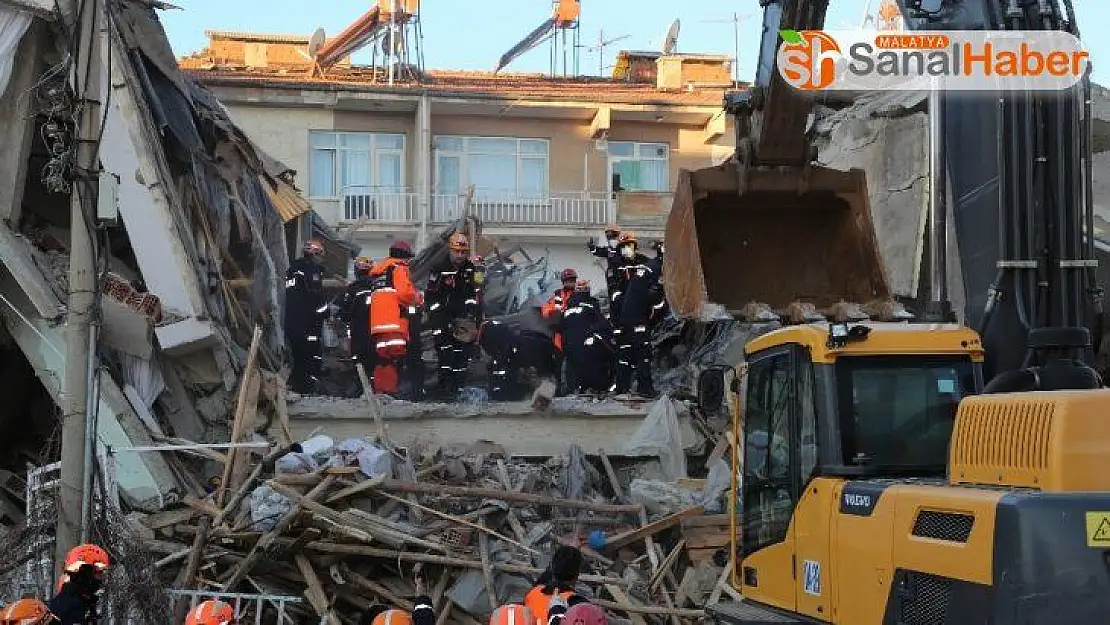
(26, 612)
(363, 265)
(314, 247)
(512, 614)
(86, 554)
(628, 237)
(393, 617)
(211, 612)
(612, 228)
(459, 243)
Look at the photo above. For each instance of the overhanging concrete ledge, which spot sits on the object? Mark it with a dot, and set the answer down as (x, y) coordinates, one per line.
(604, 425)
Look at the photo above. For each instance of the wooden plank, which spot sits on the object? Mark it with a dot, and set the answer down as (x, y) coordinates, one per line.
(615, 483)
(501, 494)
(623, 603)
(238, 424)
(372, 401)
(166, 518)
(706, 520)
(627, 538)
(665, 567)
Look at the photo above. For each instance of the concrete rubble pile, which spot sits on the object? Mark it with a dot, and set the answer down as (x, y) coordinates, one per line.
(351, 523)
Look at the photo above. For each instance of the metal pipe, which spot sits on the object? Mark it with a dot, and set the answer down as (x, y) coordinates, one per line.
(938, 207)
(92, 414)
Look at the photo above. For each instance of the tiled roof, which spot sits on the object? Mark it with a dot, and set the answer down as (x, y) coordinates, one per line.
(468, 84)
(266, 37)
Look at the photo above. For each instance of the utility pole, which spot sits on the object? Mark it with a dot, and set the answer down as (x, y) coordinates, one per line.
(74, 491)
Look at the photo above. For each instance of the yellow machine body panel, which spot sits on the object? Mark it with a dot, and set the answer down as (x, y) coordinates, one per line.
(885, 338)
(1054, 441)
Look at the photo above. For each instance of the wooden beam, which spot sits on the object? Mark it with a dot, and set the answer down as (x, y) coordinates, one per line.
(503, 495)
(627, 538)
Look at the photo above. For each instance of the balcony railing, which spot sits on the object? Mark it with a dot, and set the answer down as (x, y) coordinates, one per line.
(403, 206)
(558, 208)
(380, 204)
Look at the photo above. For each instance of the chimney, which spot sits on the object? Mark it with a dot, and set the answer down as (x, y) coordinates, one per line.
(676, 72)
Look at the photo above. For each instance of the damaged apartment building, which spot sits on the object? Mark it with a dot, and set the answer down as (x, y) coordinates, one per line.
(193, 233)
(545, 161)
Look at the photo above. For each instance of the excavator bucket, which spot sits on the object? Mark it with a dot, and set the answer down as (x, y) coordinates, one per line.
(792, 234)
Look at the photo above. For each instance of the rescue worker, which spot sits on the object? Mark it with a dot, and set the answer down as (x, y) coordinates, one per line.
(82, 580)
(305, 309)
(638, 292)
(423, 613)
(553, 310)
(517, 352)
(512, 614)
(586, 366)
(211, 612)
(392, 298)
(557, 580)
(661, 309)
(608, 251)
(454, 294)
(355, 312)
(26, 612)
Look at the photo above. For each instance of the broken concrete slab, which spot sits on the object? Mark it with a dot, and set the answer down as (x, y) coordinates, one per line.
(145, 480)
(590, 424)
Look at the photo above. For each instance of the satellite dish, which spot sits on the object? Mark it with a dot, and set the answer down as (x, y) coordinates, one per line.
(316, 42)
(670, 42)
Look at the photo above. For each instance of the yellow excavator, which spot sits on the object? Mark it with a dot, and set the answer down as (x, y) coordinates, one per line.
(911, 473)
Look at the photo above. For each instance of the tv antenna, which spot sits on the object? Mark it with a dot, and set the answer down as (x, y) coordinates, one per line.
(735, 21)
(600, 46)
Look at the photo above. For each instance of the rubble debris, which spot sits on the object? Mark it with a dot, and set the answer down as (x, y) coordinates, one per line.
(314, 520)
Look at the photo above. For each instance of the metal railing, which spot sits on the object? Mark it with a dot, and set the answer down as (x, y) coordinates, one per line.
(559, 208)
(380, 204)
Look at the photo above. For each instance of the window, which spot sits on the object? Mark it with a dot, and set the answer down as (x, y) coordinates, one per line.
(355, 163)
(769, 483)
(639, 166)
(898, 411)
(499, 168)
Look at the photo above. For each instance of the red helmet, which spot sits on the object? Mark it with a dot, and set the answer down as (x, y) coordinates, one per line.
(363, 265)
(211, 612)
(401, 249)
(569, 275)
(86, 554)
(313, 247)
(585, 614)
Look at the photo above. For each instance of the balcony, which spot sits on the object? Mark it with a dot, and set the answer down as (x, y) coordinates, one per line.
(509, 209)
(388, 206)
(384, 205)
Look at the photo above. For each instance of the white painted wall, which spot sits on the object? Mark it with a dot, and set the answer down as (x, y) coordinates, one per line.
(161, 257)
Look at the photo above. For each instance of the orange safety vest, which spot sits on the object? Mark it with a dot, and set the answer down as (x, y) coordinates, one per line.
(557, 303)
(538, 602)
(392, 293)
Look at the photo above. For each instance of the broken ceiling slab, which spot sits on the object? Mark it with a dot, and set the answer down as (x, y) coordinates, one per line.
(18, 256)
(125, 329)
(512, 425)
(185, 336)
(145, 480)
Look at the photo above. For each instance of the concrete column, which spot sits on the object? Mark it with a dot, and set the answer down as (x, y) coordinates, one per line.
(424, 167)
(17, 131)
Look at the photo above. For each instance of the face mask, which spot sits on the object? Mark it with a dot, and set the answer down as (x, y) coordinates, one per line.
(612, 242)
(628, 251)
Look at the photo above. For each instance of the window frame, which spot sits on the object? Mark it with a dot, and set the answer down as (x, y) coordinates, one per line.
(373, 151)
(637, 156)
(464, 153)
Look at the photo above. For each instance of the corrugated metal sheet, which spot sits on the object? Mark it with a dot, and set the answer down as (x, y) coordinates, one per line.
(286, 199)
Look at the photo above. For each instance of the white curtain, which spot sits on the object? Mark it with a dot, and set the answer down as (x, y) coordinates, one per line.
(13, 24)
